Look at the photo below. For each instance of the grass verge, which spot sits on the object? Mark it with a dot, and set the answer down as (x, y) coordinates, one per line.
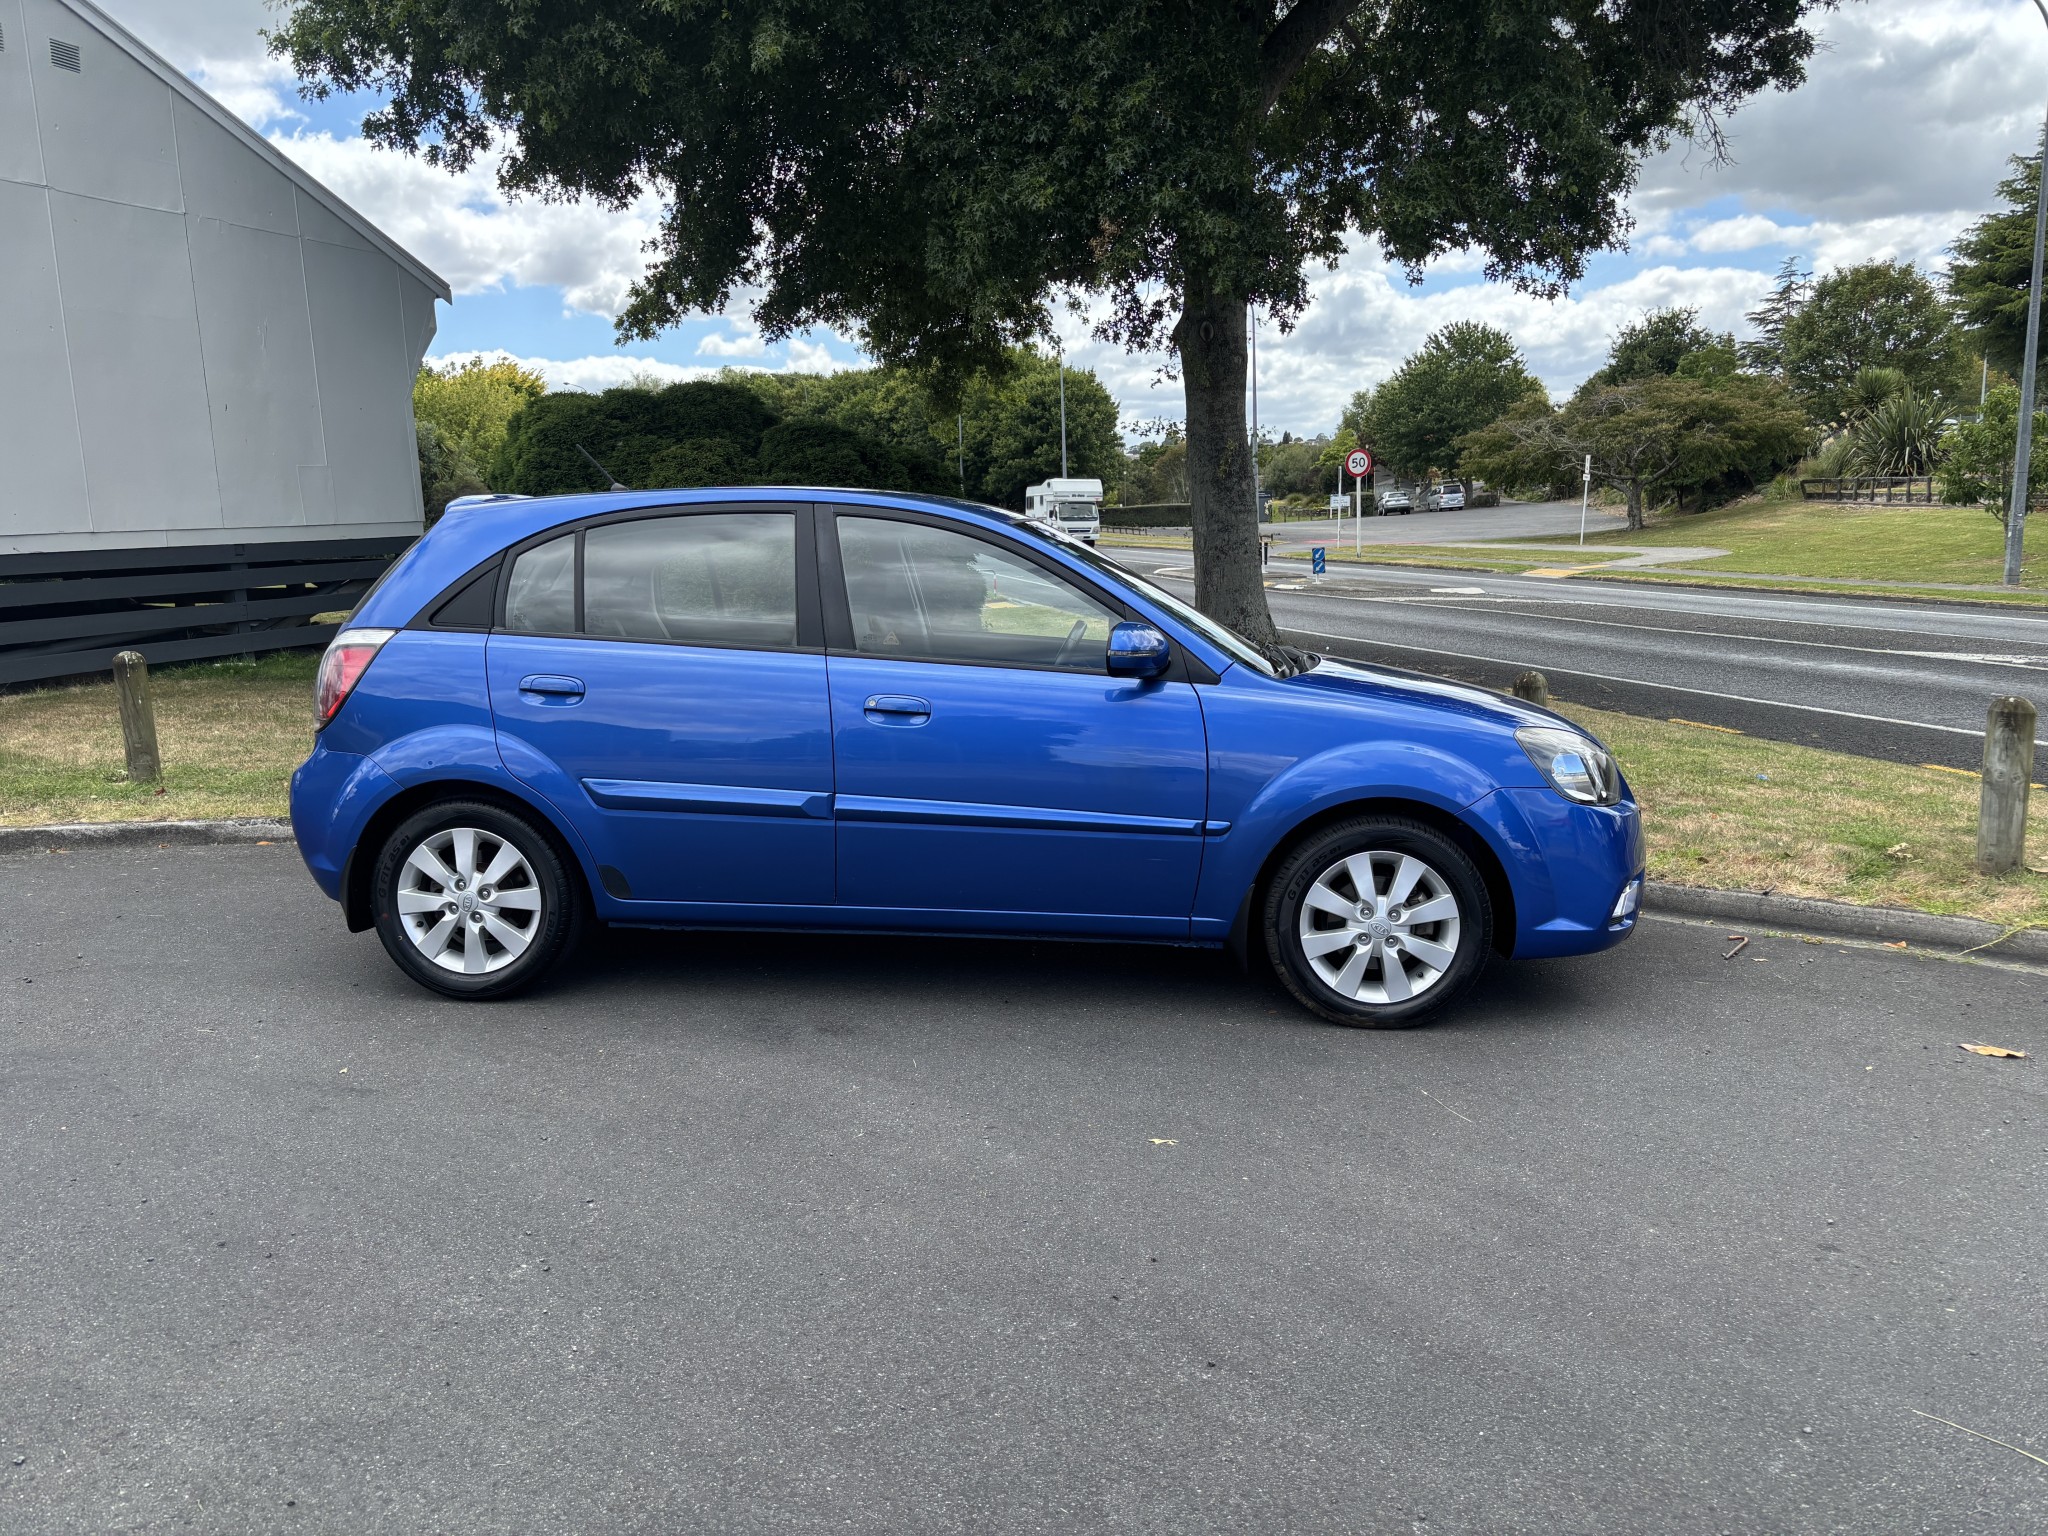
(1720, 809)
(230, 733)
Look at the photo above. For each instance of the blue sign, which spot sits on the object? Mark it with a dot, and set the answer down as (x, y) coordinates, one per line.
(1315, 559)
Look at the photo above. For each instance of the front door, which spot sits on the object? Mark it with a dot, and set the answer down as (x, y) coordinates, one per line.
(659, 678)
(990, 773)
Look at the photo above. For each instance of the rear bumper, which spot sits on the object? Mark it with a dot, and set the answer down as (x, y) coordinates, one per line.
(333, 796)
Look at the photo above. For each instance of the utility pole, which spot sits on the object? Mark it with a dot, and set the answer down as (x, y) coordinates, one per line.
(1257, 508)
(2023, 449)
(963, 453)
(1063, 409)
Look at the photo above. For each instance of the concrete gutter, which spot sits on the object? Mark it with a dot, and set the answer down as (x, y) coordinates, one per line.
(1754, 909)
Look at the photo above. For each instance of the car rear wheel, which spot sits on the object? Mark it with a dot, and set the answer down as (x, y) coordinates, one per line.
(1378, 922)
(474, 900)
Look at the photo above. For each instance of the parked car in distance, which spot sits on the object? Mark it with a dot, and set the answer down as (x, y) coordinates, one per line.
(1449, 496)
(843, 710)
(1396, 500)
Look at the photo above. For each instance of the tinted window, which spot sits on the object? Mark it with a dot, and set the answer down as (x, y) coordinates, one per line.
(541, 597)
(723, 578)
(929, 593)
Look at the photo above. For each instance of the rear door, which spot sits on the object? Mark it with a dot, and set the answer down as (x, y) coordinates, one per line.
(660, 676)
(990, 773)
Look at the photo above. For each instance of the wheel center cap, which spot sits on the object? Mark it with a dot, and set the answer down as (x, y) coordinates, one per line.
(1379, 928)
(468, 902)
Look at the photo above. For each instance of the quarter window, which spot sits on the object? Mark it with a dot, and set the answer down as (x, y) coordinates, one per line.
(540, 599)
(719, 578)
(930, 594)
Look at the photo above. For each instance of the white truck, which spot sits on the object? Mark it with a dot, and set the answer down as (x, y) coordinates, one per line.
(1075, 505)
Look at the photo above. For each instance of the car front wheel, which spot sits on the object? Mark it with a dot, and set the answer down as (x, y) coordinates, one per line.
(1378, 922)
(473, 900)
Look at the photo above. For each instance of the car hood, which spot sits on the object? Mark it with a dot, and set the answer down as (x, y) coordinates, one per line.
(1371, 685)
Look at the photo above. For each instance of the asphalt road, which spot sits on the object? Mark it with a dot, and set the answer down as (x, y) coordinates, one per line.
(1909, 682)
(775, 1234)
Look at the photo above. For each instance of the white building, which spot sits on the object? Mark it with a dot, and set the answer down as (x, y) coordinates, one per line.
(201, 348)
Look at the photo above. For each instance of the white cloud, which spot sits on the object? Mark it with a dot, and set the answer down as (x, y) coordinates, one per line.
(608, 370)
(1744, 233)
(477, 237)
(746, 341)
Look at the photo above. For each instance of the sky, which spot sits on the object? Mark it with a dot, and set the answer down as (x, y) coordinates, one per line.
(1892, 146)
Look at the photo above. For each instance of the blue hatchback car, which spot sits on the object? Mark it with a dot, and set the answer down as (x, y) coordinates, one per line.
(869, 712)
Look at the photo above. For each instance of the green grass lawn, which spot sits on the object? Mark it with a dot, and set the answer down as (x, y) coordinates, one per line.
(1720, 809)
(1907, 544)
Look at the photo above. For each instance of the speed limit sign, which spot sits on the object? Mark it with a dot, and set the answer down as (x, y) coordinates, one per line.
(1358, 463)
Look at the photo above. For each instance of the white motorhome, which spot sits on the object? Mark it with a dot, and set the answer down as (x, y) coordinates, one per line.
(1075, 505)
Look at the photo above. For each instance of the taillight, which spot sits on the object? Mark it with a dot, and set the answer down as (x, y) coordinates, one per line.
(349, 654)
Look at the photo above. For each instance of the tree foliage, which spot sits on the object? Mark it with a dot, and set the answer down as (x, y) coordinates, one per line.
(1657, 344)
(931, 177)
(1991, 270)
(1977, 456)
(1765, 352)
(1157, 472)
(1648, 438)
(1882, 313)
(1464, 376)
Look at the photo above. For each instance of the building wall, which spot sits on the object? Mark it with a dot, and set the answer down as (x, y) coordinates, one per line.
(194, 348)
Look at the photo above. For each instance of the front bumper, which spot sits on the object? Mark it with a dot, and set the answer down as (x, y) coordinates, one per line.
(1571, 868)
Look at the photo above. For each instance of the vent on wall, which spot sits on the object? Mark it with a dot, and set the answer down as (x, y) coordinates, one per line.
(65, 55)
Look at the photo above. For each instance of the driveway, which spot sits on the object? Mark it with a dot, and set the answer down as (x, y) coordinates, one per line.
(777, 1234)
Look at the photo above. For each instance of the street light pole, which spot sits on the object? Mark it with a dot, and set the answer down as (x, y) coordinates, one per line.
(2023, 448)
(1063, 409)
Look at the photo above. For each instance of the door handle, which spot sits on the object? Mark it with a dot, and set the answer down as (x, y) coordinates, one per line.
(558, 687)
(897, 709)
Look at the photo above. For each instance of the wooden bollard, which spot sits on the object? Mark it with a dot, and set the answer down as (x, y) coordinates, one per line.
(1533, 688)
(2008, 769)
(138, 718)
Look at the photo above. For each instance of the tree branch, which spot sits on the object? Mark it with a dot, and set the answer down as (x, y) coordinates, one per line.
(1297, 35)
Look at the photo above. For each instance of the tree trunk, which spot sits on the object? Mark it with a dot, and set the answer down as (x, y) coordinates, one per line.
(1222, 504)
(1633, 490)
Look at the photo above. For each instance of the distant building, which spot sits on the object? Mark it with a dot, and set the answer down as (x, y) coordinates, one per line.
(206, 360)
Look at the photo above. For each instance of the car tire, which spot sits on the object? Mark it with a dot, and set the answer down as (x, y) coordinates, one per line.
(1331, 946)
(474, 900)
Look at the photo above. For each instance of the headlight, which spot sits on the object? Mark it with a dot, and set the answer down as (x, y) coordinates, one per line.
(1577, 767)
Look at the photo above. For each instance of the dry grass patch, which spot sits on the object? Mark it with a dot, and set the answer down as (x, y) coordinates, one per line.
(230, 734)
(1738, 811)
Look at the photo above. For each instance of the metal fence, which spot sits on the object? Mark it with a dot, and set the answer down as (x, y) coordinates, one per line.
(1873, 490)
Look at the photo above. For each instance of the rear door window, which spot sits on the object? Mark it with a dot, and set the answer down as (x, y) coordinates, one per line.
(718, 578)
(540, 597)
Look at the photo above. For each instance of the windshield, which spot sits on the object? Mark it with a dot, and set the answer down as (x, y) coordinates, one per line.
(1228, 641)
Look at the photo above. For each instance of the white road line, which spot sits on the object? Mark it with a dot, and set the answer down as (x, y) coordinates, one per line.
(1637, 682)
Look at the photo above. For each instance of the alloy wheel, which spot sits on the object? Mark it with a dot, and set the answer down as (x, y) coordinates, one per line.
(1379, 927)
(468, 900)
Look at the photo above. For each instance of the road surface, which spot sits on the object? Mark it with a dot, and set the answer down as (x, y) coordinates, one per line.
(1909, 682)
(891, 1235)
(1516, 520)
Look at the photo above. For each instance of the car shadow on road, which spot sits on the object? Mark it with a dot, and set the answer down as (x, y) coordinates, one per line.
(855, 977)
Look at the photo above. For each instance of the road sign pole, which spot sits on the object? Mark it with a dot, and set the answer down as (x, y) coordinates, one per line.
(1585, 498)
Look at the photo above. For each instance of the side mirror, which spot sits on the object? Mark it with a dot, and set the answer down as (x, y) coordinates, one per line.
(1138, 650)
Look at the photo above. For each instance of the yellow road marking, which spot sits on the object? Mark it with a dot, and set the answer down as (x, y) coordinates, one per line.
(1968, 773)
(1726, 730)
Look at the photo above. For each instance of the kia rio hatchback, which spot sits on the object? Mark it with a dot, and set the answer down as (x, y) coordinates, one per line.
(865, 712)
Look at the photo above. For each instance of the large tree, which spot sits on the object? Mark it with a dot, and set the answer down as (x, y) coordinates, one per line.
(1992, 268)
(1882, 314)
(1464, 376)
(1650, 437)
(1656, 344)
(934, 177)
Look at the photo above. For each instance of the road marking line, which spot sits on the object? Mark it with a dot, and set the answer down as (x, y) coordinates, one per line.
(1702, 725)
(1637, 682)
